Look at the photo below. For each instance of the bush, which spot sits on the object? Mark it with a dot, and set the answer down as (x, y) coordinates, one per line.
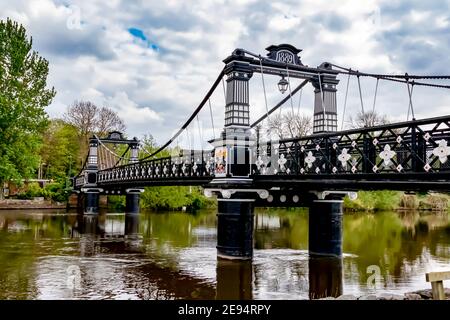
(116, 203)
(174, 198)
(32, 190)
(53, 191)
(374, 201)
(56, 191)
(435, 202)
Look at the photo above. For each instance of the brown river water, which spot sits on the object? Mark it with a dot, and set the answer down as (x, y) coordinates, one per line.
(57, 255)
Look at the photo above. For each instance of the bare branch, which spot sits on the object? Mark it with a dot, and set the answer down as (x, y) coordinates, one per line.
(89, 119)
(107, 121)
(288, 125)
(368, 119)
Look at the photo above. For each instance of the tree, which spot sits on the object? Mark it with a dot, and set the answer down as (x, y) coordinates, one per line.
(82, 115)
(23, 97)
(60, 151)
(89, 119)
(107, 121)
(368, 119)
(288, 125)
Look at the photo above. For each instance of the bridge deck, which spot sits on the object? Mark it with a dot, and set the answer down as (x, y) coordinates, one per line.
(406, 156)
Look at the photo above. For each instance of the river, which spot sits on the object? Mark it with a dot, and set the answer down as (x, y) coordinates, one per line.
(57, 255)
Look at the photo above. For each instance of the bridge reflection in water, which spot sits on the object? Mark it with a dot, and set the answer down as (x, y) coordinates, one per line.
(170, 256)
(234, 278)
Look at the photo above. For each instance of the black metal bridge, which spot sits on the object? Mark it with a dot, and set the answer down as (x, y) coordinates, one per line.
(245, 171)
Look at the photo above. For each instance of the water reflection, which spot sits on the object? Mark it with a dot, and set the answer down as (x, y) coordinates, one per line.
(172, 255)
(325, 277)
(234, 280)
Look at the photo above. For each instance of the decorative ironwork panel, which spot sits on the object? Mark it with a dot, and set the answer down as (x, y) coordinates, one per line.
(409, 147)
(193, 164)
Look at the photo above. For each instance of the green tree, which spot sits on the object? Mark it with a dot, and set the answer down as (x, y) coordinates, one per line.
(60, 150)
(23, 97)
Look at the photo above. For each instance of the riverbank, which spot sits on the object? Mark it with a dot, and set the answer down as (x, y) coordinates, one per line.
(386, 200)
(38, 203)
(415, 295)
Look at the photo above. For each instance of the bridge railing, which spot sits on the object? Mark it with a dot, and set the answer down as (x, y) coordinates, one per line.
(419, 146)
(80, 180)
(188, 165)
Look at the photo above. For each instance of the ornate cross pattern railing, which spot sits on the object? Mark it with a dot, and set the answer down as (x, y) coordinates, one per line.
(414, 147)
(196, 164)
(408, 147)
(81, 180)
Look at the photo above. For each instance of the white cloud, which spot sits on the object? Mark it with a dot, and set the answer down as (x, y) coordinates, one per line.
(130, 112)
(155, 92)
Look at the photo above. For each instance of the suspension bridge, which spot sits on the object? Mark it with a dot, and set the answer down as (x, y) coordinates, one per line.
(244, 170)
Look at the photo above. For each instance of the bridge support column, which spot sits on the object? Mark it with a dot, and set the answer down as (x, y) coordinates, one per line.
(325, 227)
(325, 222)
(91, 200)
(235, 228)
(235, 220)
(132, 200)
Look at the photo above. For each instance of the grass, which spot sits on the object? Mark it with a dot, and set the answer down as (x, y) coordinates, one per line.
(384, 200)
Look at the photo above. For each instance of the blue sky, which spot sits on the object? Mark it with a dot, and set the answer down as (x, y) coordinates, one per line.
(153, 61)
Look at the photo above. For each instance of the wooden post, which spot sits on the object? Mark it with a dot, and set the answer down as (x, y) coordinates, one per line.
(437, 285)
(437, 289)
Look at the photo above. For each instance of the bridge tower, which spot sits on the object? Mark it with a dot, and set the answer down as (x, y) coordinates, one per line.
(90, 188)
(88, 181)
(133, 195)
(234, 166)
(325, 105)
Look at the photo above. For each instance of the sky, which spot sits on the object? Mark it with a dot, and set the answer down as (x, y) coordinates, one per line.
(153, 61)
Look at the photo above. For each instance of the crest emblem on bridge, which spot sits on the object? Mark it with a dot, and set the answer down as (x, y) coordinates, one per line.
(285, 53)
(115, 135)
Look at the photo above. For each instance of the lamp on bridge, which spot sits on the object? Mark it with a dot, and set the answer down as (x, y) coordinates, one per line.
(283, 85)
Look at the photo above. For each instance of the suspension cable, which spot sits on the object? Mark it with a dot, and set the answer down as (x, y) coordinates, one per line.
(394, 78)
(110, 160)
(360, 96)
(264, 87)
(398, 76)
(224, 91)
(279, 104)
(375, 96)
(99, 157)
(410, 101)
(121, 157)
(362, 74)
(212, 118)
(196, 111)
(110, 151)
(299, 101)
(290, 92)
(200, 135)
(345, 102)
(188, 138)
(410, 97)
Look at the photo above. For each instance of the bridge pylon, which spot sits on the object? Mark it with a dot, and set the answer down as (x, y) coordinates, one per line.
(99, 159)
(234, 167)
(232, 182)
